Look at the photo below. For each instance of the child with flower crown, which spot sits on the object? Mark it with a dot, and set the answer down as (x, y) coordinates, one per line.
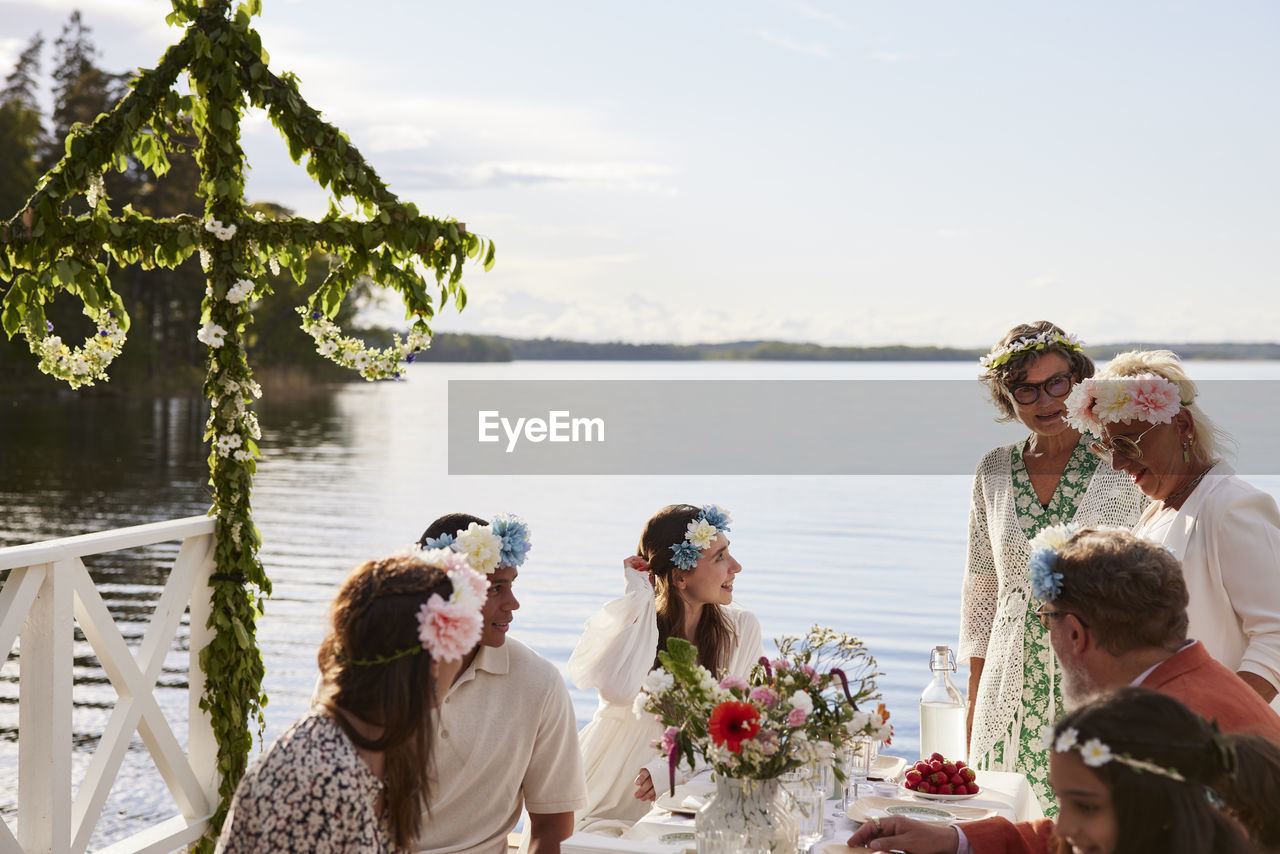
(1134, 771)
(353, 774)
(679, 584)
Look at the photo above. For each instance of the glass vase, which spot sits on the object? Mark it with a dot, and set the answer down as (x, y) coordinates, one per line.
(756, 812)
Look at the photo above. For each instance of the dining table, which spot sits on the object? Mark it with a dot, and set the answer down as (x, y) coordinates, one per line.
(663, 831)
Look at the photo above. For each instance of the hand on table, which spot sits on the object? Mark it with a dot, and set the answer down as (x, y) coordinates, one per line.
(644, 786)
(896, 833)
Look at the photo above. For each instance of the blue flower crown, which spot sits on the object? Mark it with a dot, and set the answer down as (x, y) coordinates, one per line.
(1046, 584)
(710, 522)
(510, 529)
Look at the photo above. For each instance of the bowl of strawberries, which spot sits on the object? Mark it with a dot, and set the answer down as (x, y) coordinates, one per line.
(940, 779)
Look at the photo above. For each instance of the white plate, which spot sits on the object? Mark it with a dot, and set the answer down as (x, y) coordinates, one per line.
(675, 802)
(921, 812)
(913, 793)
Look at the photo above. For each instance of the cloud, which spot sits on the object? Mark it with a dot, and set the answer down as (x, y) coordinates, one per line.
(632, 177)
(819, 15)
(817, 50)
(952, 234)
(887, 56)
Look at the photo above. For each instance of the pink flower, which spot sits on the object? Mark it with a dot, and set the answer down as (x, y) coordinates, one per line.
(797, 717)
(1156, 399)
(780, 664)
(808, 671)
(729, 682)
(764, 695)
(669, 739)
(448, 632)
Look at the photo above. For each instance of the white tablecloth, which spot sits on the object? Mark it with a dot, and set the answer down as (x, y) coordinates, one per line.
(661, 832)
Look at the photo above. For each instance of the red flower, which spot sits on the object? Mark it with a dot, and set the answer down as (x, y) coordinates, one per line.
(733, 723)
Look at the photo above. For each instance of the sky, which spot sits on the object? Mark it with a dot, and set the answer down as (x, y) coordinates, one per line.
(844, 172)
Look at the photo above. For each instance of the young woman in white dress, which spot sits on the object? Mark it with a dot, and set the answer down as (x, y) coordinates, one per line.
(680, 584)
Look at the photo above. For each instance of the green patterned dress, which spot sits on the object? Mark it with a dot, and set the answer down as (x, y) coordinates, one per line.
(999, 622)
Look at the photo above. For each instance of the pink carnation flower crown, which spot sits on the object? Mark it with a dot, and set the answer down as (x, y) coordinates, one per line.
(1096, 401)
(446, 629)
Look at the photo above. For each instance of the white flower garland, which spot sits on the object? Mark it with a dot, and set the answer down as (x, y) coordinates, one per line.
(1000, 355)
(80, 365)
(371, 363)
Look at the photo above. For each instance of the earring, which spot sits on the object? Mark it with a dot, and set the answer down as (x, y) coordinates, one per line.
(1186, 448)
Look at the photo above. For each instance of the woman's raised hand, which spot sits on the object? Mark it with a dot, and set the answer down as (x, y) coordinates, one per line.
(639, 564)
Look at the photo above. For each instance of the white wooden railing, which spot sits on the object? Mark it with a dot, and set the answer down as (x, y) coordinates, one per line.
(49, 589)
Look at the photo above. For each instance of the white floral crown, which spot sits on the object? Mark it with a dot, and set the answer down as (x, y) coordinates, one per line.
(710, 522)
(447, 630)
(999, 355)
(1101, 400)
(504, 542)
(1095, 753)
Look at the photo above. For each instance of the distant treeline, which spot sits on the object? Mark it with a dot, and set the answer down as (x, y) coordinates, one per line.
(493, 348)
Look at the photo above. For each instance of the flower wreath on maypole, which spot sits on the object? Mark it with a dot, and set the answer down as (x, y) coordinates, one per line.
(47, 251)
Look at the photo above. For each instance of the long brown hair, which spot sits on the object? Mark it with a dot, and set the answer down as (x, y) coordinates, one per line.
(374, 616)
(713, 634)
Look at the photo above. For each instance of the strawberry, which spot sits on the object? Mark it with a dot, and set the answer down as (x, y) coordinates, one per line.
(938, 757)
(913, 777)
(960, 763)
(971, 789)
(956, 780)
(944, 789)
(949, 768)
(935, 766)
(926, 789)
(922, 767)
(967, 774)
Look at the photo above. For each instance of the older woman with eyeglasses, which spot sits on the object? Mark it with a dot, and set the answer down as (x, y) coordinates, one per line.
(1050, 478)
(1143, 411)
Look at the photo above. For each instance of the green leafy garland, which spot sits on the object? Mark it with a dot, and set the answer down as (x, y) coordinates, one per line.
(48, 251)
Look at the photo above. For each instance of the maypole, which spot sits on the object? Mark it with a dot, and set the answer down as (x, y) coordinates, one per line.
(48, 251)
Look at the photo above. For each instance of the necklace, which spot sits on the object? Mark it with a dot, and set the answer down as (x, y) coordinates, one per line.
(1175, 501)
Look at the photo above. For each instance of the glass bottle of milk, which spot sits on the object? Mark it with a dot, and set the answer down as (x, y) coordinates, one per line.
(942, 710)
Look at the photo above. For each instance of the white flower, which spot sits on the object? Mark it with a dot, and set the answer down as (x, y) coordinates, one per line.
(220, 231)
(859, 722)
(206, 261)
(236, 293)
(482, 547)
(701, 533)
(97, 189)
(274, 265)
(637, 706)
(802, 700)
(1095, 753)
(1066, 740)
(363, 360)
(327, 348)
(1053, 537)
(1046, 738)
(242, 456)
(211, 334)
(658, 681)
(227, 443)
(79, 368)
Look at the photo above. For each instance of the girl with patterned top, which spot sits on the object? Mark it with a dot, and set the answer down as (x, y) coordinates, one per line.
(1051, 478)
(352, 776)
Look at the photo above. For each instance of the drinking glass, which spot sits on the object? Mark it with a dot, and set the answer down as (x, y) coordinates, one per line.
(808, 792)
(722, 840)
(855, 758)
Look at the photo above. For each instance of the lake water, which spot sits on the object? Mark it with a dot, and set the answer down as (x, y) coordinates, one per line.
(358, 471)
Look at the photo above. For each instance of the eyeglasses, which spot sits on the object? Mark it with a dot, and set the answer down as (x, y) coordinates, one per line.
(1044, 614)
(1122, 445)
(1058, 385)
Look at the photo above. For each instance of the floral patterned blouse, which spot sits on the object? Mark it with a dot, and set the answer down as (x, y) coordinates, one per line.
(310, 791)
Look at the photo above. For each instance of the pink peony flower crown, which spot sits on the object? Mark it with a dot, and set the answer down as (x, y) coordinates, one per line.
(1096, 401)
(448, 630)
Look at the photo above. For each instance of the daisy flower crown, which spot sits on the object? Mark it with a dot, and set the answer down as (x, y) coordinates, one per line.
(504, 542)
(446, 629)
(710, 522)
(1095, 754)
(1046, 584)
(999, 355)
(1096, 401)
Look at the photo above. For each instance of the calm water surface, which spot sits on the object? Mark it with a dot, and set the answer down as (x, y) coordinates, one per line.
(358, 471)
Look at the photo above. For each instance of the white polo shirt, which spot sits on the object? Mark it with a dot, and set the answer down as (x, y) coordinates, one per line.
(507, 736)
